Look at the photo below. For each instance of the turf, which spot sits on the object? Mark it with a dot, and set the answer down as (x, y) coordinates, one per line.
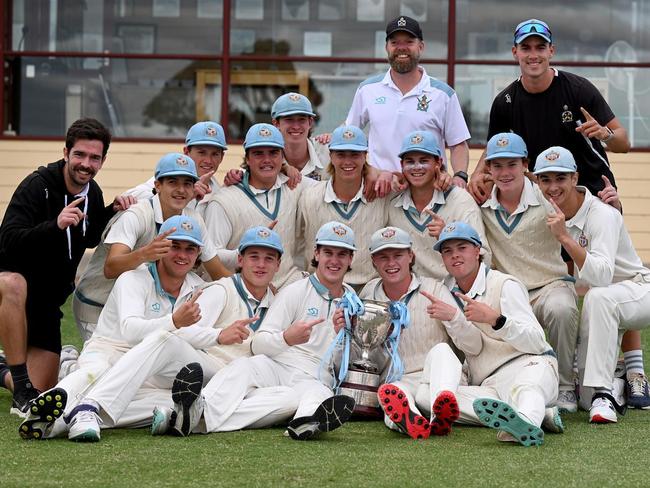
(359, 454)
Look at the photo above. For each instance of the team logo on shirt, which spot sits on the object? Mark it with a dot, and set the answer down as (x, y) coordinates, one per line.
(339, 230)
(417, 139)
(211, 131)
(423, 103)
(503, 142)
(567, 115)
(312, 312)
(187, 226)
(294, 97)
(263, 233)
(582, 240)
(348, 134)
(155, 307)
(551, 155)
(388, 233)
(380, 100)
(181, 161)
(264, 132)
(401, 22)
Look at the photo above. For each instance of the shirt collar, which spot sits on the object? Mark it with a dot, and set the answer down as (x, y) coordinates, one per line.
(330, 195)
(478, 287)
(314, 162)
(265, 302)
(185, 288)
(157, 209)
(579, 220)
(528, 198)
(405, 200)
(423, 85)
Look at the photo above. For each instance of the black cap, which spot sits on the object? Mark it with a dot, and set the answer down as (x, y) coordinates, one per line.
(405, 24)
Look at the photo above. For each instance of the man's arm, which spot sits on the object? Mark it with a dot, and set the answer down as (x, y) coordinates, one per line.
(480, 184)
(459, 159)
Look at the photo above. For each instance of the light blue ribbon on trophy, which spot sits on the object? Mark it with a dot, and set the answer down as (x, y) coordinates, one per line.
(401, 319)
(351, 305)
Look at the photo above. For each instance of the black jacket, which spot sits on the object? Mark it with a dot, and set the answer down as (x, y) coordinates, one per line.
(32, 244)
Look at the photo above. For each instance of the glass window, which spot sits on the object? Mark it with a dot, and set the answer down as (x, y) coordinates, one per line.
(583, 30)
(118, 26)
(134, 97)
(331, 27)
(330, 87)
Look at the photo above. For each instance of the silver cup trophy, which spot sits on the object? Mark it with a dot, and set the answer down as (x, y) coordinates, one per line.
(369, 332)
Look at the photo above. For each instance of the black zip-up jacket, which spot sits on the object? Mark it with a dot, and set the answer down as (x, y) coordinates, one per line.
(32, 244)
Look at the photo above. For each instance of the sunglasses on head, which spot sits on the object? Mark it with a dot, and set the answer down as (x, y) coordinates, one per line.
(533, 27)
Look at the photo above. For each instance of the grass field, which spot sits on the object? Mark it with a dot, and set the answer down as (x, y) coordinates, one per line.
(360, 454)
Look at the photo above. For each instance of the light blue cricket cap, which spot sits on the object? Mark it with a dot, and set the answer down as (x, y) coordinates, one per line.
(206, 133)
(420, 141)
(458, 230)
(291, 104)
(555, 159)
(336, 234)
(390, 238)
(506, 145)
(187, 229)
(260, 236)
(263, 135)
(348, 138)
(176, 164)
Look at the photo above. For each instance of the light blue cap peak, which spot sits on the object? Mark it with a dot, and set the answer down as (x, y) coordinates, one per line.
(390, 238)
(555, 159)
(458, 230)
(420, 141)
(261, 236)
(176, 164)
(263, 135)
(187, 229)
(506, 145)
(291, 104)
(348, 138)
(206, 133)
(336, 234)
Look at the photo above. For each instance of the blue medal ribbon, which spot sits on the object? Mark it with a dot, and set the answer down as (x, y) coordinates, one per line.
(401, 319)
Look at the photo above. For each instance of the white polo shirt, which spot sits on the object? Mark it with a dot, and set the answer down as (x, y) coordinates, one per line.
(431, 105)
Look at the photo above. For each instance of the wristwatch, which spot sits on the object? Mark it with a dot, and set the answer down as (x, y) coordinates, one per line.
(462, 175)
(610, 135)
(501, 321)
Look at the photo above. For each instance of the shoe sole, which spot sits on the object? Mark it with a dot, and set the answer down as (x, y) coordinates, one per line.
(446, 412)
(158, 419)
(87, 436)
(43, 412)
(501, 416)
(329, 416)
(395, 405)
(554, 424)
(185, 390)
(599, 419)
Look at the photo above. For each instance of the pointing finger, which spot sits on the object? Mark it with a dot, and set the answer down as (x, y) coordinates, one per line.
(273, 224)
(76, 202)
(195, 296)
(429, 296)
(607, 182)
(586, 114)
(464, 298)
(249, 320)
(206, 177)
(165, 234)
(311, 323)
(558, 210)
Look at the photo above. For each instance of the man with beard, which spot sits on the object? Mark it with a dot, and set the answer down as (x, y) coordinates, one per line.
(54, 215)
(407, 99)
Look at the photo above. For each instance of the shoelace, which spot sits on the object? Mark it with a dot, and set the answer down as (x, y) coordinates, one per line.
(602, 402)
(566, 396)
(87, 416)
(638, 385)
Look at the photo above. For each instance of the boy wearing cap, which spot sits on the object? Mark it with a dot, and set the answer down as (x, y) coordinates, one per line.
(205, 144)
(284, 376)
(524, 247)
(157, 296)
(423, 210)
(54, 215)
(512, 370)
(393, 258)
(341, 198)
(261, 198)
(132, 239)
(594, 235)
(407, 99)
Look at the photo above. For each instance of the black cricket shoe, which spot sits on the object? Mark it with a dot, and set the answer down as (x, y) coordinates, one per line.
(188, 402)
(42, 413)
(329, 415)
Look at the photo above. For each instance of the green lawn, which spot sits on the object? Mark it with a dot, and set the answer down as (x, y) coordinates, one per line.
(359, 454)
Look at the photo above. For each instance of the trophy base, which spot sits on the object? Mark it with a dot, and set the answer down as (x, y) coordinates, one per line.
(362, 386)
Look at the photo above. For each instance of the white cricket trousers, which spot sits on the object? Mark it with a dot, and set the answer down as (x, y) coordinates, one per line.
(528, 384)
(556, 309)
(259, 392)
(151, 365)
(607, 312)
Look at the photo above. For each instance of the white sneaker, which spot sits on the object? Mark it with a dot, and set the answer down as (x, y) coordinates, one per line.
(566, 401)
(552, 421)
(188, 402)
(163, 419)
(84, 426)
(602, 411)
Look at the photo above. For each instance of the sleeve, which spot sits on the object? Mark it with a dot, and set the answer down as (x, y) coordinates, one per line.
(592, 100)
(23, 229)
(204, 334)
(462, 332)
(220, 229)
(269, 338)
(603, 233)
(521, 330)
(125, 230)
(357, 115)
(456, 130)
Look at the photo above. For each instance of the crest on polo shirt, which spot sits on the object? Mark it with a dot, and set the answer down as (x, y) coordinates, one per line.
(348, 134)
(339, 230)
(582, 240)
(503, 142)
(187, 226)
(312, 312)
(388, 233)
(263, 233)
(264, 132)
(181, 161)
(401, 22)
(552, 155)
(294, 97)
(423, 103)
(155, 307)
(380, 100)
(567, 115)
(417, 139)
(211, 131)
